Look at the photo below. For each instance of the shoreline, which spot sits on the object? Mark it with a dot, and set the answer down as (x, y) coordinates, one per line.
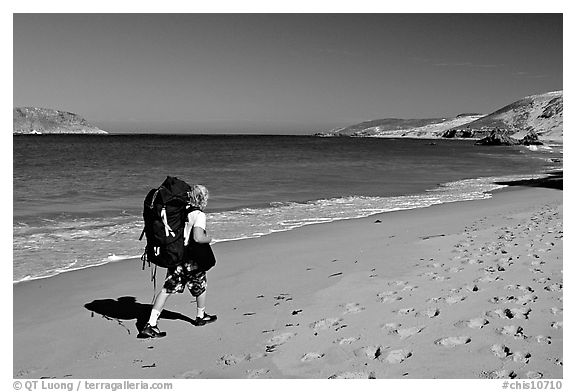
(548, 175)
(319, 301)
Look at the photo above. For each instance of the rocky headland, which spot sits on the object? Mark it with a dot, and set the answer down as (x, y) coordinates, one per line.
(540, 117)
(36, 121)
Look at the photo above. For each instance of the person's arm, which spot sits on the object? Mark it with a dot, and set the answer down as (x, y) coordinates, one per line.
(199, 235)
(199, 230)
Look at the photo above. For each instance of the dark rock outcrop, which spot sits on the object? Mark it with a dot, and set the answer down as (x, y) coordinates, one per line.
(531, 139)
(498, 137)
(458, 133)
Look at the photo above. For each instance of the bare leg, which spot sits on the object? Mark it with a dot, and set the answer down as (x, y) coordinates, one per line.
(158, 306)
(201, 304)
(201, 300)
(160, 300)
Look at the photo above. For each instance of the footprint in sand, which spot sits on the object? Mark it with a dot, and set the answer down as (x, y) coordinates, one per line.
(403, 333)
(493, 268)
(405, 311)
(353, 375)
(102, 354)
(522, 300)
(254, 356)
(511, 330)
(557, 324)
(385, 299)
(311, 357)
(472, 261)
(508, 261)
(525, 289)
(497, 300)
(541, 339)
(515, 313)
(349, 340)
(398, 356)
(279, 340)
(398, 283)
(476, 323)
(520, 356)
(472, 288)
(555, 310)
(25, 372)
(256, 373)
(352, 307)
(500, 351)
(453, 299)
(501, 373)
(230, 359)
(525, 299)
(453, 341)
(487, 279)
(194, 373)
(325, 324)
(372, 352)
(430, 312)
(554, 287)
(557, 361)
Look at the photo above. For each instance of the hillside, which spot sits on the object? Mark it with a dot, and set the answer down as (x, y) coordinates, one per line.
(542, 113)
(29, 121)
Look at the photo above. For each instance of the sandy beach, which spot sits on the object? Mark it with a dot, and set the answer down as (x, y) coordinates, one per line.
(460, 290)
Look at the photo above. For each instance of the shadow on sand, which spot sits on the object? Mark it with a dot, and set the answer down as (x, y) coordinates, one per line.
(126, 308)
(553, 181)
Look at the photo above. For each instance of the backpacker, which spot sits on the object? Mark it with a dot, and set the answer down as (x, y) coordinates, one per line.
(165, 212)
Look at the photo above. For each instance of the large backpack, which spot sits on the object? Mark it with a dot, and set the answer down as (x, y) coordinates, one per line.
(165, 212)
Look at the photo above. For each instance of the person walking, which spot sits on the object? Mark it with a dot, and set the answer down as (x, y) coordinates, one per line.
(191, 273)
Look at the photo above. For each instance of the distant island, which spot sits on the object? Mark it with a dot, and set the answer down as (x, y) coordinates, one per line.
(39, 121)
(540, 114)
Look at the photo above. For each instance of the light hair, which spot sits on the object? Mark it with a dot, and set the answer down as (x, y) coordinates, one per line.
(199, 196)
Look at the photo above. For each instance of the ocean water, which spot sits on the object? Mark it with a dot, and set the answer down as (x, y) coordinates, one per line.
(78, 198)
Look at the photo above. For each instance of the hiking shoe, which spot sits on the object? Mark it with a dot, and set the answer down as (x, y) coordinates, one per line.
(205, 320)
(151, 332)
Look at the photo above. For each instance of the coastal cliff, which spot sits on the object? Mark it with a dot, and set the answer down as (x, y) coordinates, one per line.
(540, 114)
(30, 121)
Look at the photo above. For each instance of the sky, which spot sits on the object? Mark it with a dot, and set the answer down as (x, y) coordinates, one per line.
(279, 73)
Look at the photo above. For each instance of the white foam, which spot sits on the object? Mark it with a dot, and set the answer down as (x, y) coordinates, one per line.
(118, 238)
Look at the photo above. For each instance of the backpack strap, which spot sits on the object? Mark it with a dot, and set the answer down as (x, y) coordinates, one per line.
(154, 197)
(168, 230)
(153, 279)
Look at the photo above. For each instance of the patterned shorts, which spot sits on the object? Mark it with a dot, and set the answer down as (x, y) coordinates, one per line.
(185, 275)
